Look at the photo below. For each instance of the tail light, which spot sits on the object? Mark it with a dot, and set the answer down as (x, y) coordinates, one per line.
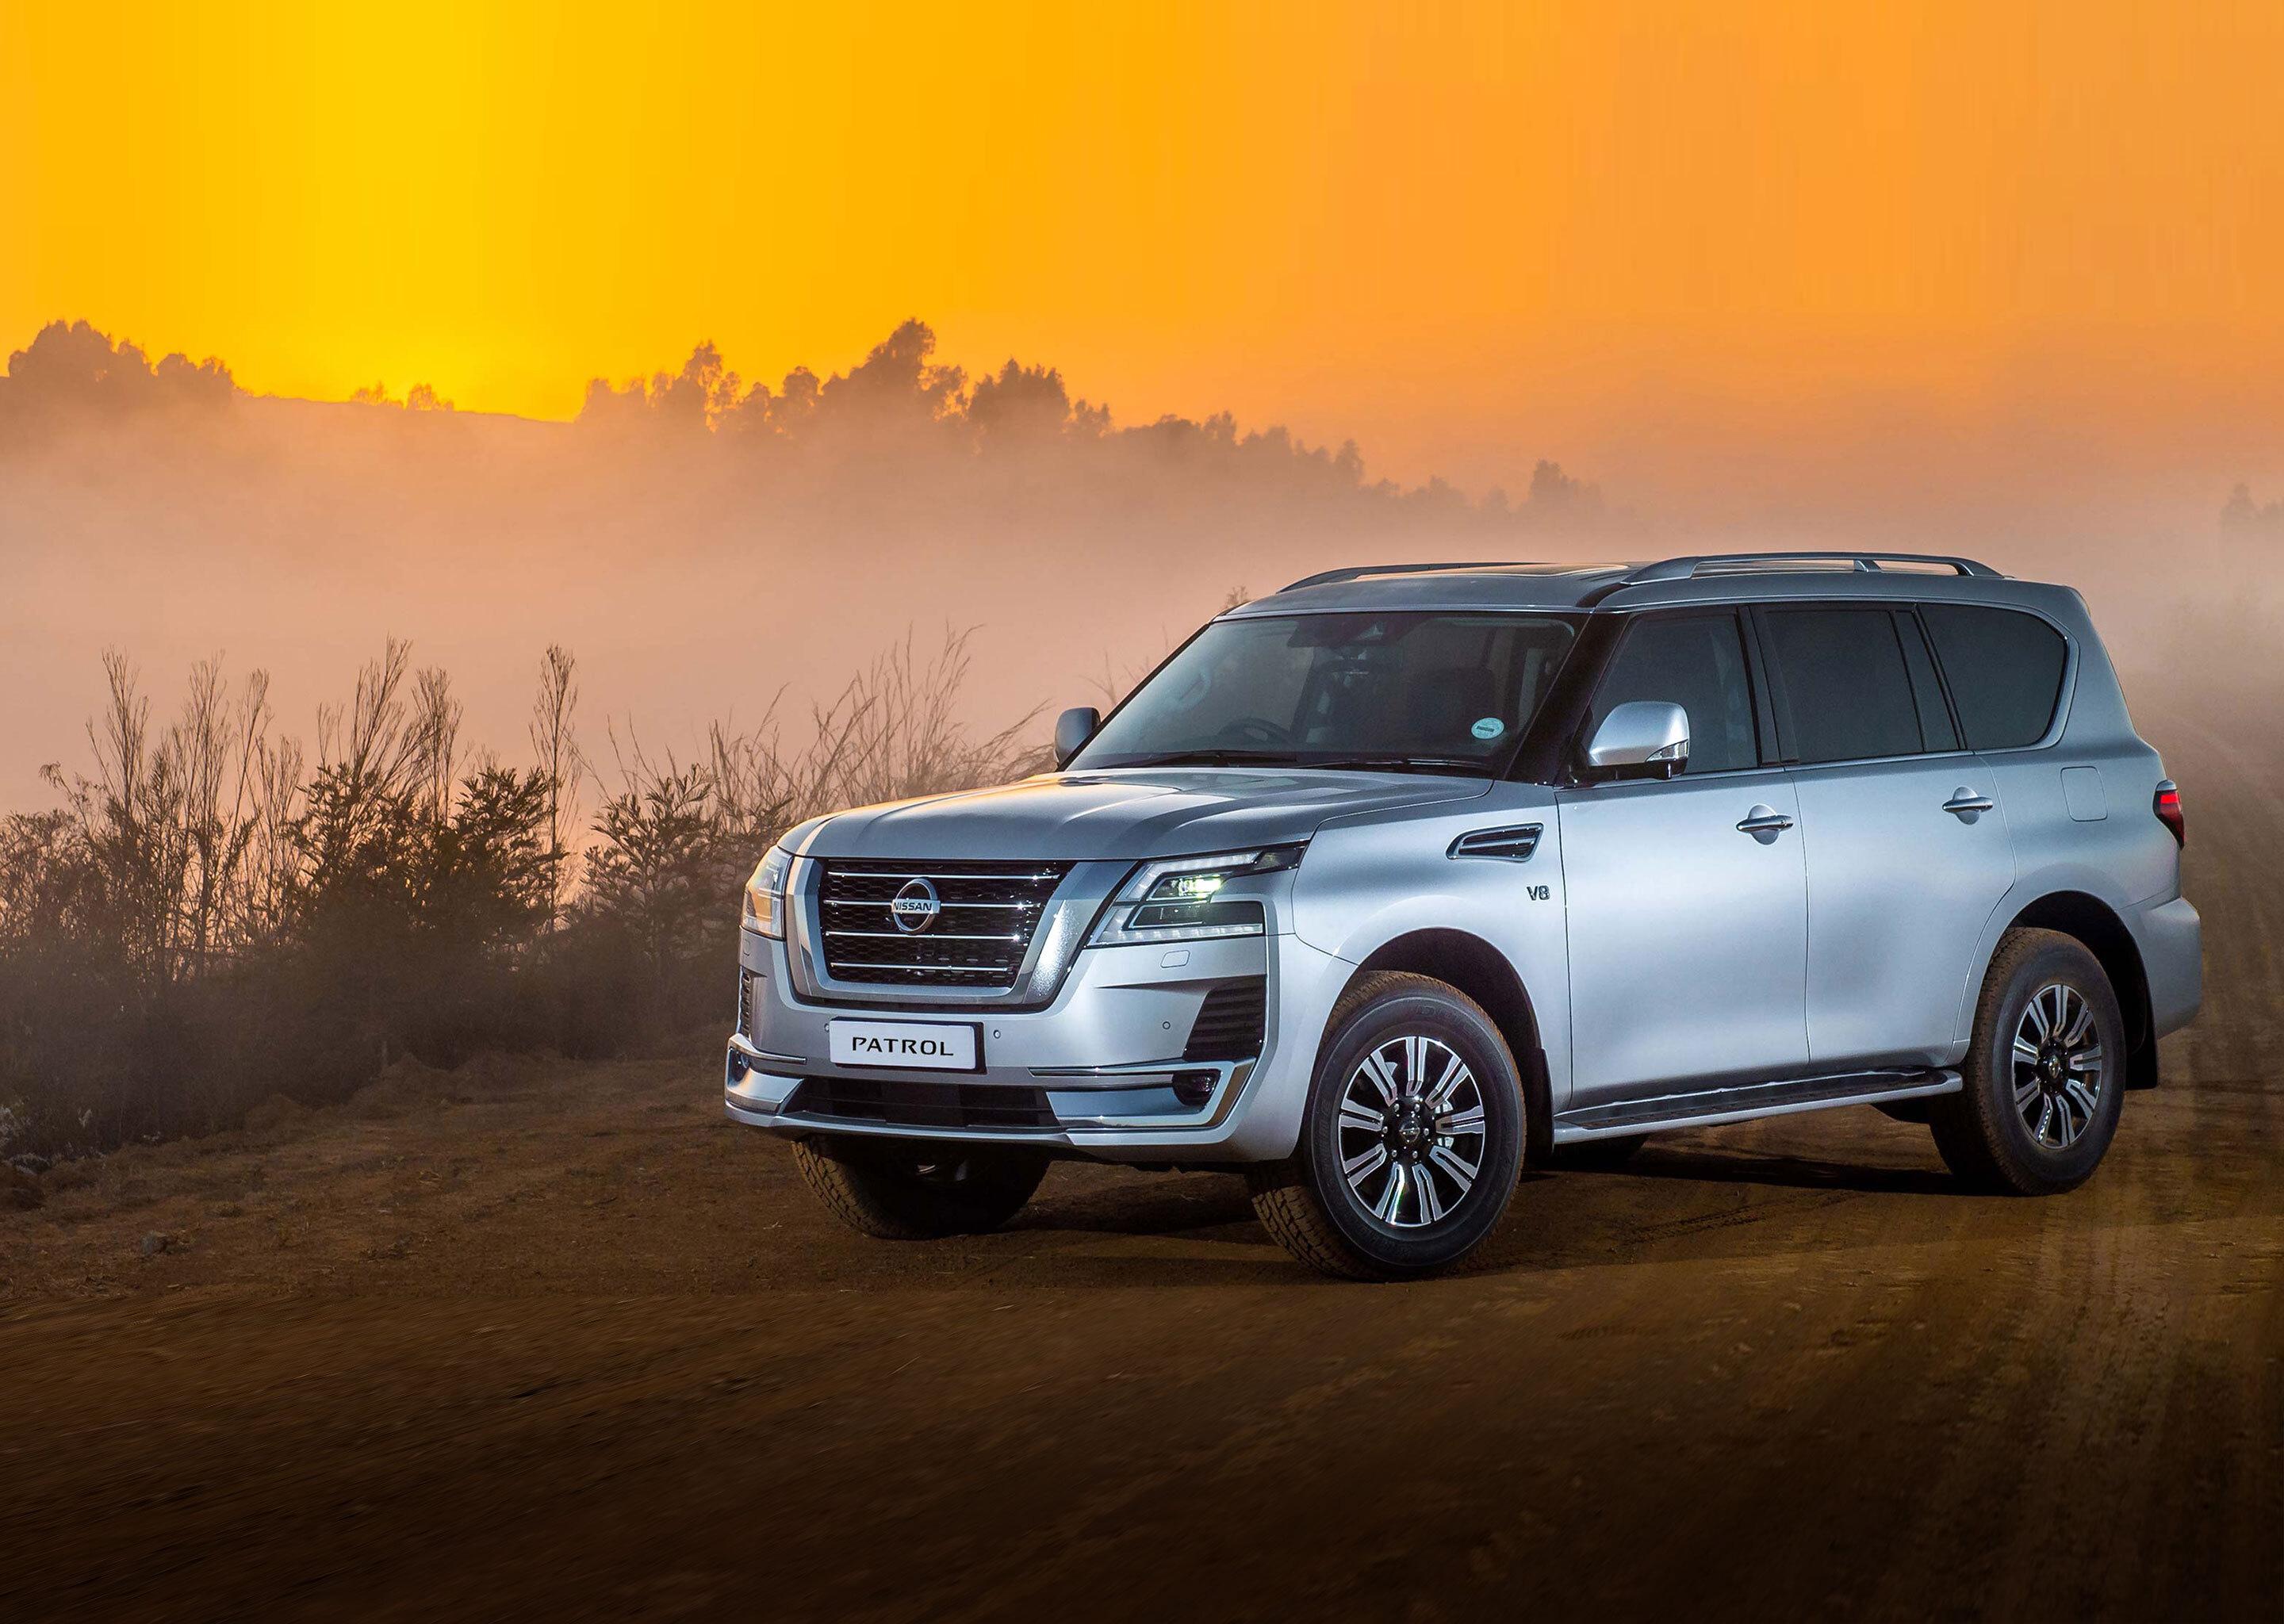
(2167, 805)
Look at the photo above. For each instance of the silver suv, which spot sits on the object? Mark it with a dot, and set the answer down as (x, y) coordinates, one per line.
(1383, 886)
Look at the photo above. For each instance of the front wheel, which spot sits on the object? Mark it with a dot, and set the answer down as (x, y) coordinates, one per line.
(2045, 1076)
(912, 1189)
(1413, 1139)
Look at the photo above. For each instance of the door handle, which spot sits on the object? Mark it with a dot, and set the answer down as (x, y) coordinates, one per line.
(1765, 820)
(1965, 802)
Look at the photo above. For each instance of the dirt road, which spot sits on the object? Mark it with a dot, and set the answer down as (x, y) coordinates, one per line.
(513, 1341)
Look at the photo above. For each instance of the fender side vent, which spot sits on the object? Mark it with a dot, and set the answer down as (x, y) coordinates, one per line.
(1513, 845)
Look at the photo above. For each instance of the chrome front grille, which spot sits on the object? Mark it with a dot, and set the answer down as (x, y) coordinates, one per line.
(982, 927)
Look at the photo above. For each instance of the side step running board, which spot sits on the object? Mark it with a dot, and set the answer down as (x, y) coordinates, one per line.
(1710, 1106)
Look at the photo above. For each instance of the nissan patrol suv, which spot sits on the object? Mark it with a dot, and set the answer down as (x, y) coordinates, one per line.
(1387, 884)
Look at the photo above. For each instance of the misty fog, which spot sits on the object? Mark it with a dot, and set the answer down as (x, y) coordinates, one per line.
(703, 543)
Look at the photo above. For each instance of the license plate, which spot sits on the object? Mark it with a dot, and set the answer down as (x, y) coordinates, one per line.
(907, 1045)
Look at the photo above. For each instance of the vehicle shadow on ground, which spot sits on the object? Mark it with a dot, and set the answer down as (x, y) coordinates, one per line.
(1717, 1202)
(1199, 1204)
(1192, 1204)
(1731, 1204)
(1784, 1172)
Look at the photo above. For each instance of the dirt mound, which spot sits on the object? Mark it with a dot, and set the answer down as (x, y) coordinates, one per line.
(276, 1115)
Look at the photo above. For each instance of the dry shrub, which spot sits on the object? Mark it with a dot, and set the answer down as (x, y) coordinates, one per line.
(205, 924)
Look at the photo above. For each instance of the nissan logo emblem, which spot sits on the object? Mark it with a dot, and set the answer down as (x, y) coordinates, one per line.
(915, 905)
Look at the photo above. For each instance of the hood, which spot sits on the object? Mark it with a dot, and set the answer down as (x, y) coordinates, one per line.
(1129, 813)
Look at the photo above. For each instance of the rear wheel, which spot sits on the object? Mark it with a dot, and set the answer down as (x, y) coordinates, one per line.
(913, 1190)
(1413, 1139)
(2043, 1078)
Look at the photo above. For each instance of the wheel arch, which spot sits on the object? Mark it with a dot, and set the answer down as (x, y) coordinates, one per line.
(1466, 961)
(2089, 920)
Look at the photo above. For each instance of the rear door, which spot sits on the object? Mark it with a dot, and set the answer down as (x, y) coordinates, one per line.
(1906, 841)
(1687, 897)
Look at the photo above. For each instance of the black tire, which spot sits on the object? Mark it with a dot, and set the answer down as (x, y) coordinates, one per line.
(1600, 1155)
(1309, 1203)
(2018, 1127)
(918, 1189)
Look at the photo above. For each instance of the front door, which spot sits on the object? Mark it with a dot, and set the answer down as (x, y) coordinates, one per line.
(1687, 898)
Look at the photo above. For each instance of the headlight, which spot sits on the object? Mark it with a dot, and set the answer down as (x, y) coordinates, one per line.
(1179, 899)
(765, 893)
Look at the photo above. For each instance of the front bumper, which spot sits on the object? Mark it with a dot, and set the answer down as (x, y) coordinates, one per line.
(1099, 1070)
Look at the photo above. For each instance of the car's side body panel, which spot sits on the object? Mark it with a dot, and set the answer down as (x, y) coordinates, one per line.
(1898, 892)
(1376, 877)
(2079, 811)
(1686, 933)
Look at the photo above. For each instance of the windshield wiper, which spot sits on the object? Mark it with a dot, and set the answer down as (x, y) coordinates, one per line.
(1329, 763)
(1215, 758)
(1399, 763)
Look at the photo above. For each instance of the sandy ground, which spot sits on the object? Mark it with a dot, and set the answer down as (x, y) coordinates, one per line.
(522, 1340)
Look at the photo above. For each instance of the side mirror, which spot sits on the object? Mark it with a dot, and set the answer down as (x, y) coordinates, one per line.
(1642, 739)
(1072, 728)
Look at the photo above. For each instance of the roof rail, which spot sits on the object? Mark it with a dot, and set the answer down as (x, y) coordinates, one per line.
(1749, 563)
(1358, 572)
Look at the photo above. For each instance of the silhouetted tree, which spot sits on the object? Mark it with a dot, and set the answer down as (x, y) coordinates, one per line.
(70, 370)
(555, 744)
(1020, 405)
(2241, 513)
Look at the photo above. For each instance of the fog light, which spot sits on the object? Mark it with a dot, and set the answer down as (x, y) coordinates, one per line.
(737, 1067)
(1193, 1089)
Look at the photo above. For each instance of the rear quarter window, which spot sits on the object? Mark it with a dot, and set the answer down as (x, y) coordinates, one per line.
(2005, 670)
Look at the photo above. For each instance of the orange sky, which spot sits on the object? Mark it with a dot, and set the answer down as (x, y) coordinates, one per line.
(1470, 236)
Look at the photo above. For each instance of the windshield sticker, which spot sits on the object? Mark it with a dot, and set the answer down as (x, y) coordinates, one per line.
(1490, 727)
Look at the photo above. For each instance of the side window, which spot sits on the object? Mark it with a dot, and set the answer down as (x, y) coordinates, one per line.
(2005, 668)
(1696, 661)
(1927, 688)
(1843, 690)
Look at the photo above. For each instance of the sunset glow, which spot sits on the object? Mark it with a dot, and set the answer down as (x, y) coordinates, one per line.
(1465, 239)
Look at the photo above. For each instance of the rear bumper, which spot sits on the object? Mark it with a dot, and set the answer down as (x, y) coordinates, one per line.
(2171, 939)
(1100, 1071)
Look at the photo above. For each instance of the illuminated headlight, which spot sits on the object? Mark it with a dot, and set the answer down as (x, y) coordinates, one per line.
(765, 893)
(1179, 899)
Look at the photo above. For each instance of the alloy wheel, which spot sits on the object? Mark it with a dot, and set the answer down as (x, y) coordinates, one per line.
(1411, 1131)
(2058, 1067)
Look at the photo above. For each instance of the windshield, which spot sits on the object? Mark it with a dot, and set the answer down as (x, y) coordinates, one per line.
(1419, 692)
